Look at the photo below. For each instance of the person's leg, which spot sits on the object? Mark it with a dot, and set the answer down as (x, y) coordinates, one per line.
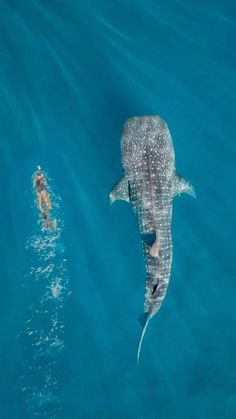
(39, 202)
(46, 200)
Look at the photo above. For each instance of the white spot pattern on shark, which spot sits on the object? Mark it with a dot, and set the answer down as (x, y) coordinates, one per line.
(150, 183)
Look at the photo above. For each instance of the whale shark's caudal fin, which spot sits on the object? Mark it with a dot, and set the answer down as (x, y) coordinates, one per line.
(144, 320)
(181, 185)
(120, 191)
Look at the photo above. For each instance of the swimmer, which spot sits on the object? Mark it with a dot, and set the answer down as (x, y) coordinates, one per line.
(43, 199)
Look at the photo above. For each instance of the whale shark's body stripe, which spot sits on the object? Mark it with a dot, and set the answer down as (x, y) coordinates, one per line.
(149, 184)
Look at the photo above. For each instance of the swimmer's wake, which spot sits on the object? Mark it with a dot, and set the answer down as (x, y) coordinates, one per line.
(48, 223)
(46, 282)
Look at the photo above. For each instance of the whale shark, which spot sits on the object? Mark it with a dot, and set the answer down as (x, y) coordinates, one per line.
(149, 184)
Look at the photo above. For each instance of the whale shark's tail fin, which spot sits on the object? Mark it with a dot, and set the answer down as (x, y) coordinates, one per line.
(144, 320)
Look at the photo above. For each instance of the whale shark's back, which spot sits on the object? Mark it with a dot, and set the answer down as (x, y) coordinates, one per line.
(146, 138)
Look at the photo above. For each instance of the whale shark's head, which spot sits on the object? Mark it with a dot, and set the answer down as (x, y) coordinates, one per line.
(142, 137)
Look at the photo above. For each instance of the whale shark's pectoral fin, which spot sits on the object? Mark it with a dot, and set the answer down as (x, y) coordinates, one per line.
(181, 185)
(120, 191)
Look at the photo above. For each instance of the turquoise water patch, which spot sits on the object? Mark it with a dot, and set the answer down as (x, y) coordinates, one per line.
(71, 73)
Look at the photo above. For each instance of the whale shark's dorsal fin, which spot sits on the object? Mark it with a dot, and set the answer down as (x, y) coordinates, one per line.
(120, 191)
(181, 185)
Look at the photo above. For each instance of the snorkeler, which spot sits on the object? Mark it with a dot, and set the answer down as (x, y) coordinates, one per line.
(43, 199)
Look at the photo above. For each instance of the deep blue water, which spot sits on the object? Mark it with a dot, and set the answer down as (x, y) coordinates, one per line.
(71, 73)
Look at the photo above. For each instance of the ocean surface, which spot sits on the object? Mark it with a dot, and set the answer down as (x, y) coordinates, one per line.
(71, 73)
